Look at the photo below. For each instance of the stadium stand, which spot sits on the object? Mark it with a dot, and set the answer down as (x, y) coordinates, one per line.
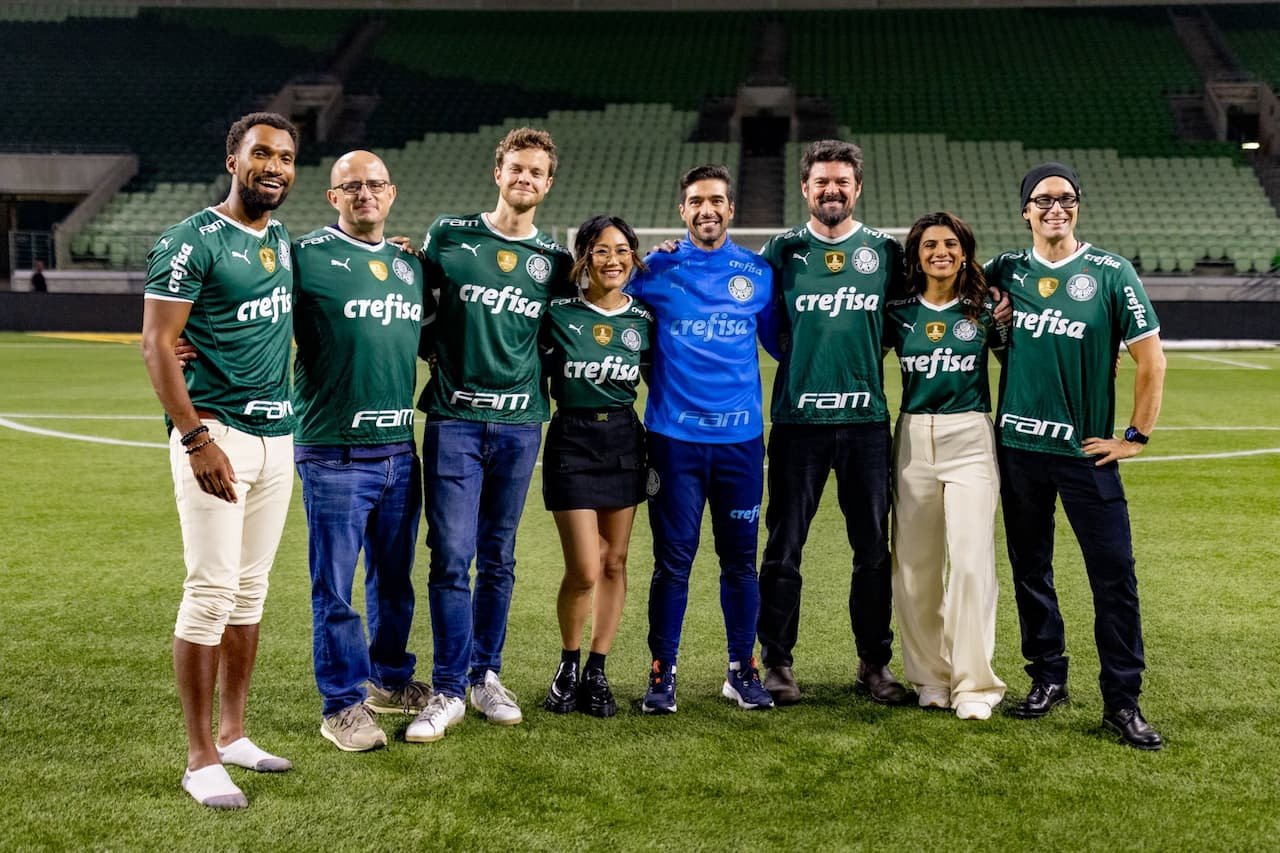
(996, 90)
(1133, 205)
(1253, 33)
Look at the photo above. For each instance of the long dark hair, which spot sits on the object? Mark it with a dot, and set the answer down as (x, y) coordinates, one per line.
(971, 283)
(590, 231)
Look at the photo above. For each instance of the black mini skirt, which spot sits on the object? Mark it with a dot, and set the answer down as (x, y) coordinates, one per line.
(594, 460)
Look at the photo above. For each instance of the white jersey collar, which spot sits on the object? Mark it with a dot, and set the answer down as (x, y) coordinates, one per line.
(622, 309)
(831, 241)
(927, 304)
(484, 217)
(361, 244)
(1080, 250)
(245, 228)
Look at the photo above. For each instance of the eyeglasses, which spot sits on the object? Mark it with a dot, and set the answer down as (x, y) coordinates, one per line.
(602, 254)
(353, 187)
(1044, 202)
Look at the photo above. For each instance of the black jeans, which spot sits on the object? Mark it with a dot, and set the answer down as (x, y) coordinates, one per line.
(800, 460)
(1093, 499)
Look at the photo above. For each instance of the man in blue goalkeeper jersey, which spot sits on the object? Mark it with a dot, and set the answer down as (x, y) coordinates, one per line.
(705, 431)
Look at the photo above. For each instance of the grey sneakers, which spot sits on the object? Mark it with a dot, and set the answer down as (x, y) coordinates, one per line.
(409, 699)
(353, 729)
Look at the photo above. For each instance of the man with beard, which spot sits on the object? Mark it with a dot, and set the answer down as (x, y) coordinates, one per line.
(705, 431)
(492, 275)
(223, 278)
(829, 413)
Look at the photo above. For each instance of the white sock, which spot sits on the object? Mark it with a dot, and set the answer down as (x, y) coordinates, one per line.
(245, 753)
(211, 786)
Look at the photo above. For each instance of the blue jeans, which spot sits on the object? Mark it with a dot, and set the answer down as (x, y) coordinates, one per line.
(475, 478)
(374, 504)
(684, 477)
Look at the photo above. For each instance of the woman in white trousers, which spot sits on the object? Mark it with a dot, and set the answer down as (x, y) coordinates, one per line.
(946, 484)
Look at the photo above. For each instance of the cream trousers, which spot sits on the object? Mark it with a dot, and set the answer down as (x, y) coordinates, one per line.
(945, 490)
(229, 548)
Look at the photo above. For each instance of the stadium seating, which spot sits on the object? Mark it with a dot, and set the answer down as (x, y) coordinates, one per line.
(624, 159)
(1253, 34)
(1165, 213)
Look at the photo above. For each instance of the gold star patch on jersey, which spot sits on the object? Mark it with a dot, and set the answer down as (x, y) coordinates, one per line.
(1047, 286)
(935, 330)
(379, 270)
(268, 258)
(835, 260)
(603, 333)
(506, 260)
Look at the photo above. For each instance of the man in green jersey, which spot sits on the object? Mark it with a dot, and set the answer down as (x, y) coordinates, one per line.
(223, 277)
(357, 315)
(829, 413)
(1073, 305)
(492, 275)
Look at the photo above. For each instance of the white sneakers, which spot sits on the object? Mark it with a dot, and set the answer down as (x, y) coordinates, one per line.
(442, 711)
(497, 703)
(973, 711)
(490, 698)
(933, 696)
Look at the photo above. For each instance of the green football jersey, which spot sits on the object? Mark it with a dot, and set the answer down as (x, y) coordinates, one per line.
(491, 294)
(831, 296)
(942, 354)
(594, 356)
(1069, 317)
(240, 286)
(357, 313)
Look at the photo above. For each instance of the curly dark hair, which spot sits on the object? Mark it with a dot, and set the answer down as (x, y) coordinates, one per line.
(589, 232)
(236, 134)
(971, 283)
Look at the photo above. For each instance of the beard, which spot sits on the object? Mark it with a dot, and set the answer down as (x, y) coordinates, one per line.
(256, 202)
(828, 217)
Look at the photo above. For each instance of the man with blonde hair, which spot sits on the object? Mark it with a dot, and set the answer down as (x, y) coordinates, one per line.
(492, 275)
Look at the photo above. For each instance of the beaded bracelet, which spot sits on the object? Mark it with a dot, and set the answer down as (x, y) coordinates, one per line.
(201, 446)
(191, 436)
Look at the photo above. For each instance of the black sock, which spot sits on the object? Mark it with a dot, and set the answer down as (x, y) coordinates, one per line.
(595, 660)
(570, 656)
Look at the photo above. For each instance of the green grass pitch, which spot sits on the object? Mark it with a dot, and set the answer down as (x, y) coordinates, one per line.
(91, 735)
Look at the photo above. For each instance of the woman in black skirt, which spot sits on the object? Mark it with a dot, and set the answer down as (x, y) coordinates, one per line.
(593, 475)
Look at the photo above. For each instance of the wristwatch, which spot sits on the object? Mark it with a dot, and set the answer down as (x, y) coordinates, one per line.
(1132, 434)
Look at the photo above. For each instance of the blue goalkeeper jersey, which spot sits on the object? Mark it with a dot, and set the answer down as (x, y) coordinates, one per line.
(705, 382)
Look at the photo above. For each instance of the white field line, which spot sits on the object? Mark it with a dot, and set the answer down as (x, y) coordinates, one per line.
(97, 439)
(39, 417)
(1192, 456)
(1229, 361)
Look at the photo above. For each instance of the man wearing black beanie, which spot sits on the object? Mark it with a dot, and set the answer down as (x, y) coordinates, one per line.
(1073, 305)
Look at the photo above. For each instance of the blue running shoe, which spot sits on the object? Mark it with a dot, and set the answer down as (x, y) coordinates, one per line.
(660, 698)
(743, 686)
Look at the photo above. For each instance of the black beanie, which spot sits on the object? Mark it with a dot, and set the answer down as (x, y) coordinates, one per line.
(1052, 169)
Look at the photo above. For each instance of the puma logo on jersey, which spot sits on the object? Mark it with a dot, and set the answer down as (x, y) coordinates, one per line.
(345, 263)
(910, 327)
(577, 329)
(471, 249)
(244, 256)
(680, 288)
(165, 241)
(1019, 278)
(800, 257)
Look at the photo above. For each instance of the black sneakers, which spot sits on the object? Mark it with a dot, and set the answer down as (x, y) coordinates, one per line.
(562, 697)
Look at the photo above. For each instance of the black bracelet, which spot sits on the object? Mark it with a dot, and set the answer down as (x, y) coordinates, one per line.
(201, 446)
(191, 436)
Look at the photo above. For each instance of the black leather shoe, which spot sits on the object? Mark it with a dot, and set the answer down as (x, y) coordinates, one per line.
(781, 685)
(562, 697)
(1040, 701)
(1132, 728)
(594, 696)
(879, 682)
